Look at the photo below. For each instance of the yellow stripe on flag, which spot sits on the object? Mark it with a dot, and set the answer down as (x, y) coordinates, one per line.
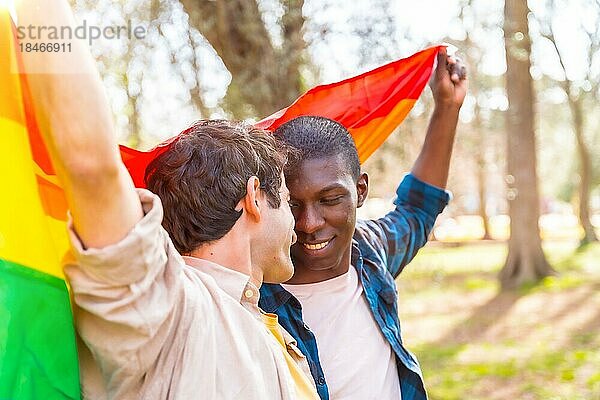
(28, 236)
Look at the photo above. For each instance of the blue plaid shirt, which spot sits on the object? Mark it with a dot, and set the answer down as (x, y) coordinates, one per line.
(380, 251)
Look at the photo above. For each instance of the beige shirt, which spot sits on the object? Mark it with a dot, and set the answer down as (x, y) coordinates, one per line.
(156, 326)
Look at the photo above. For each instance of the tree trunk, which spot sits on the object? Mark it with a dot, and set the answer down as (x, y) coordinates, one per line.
(473, 58)
(480, 147)
(482, 185)
(134, 138)
(196, 91)
(526, 261)
(480, 161)
(575, 101)
(264, 78)
(585, 170)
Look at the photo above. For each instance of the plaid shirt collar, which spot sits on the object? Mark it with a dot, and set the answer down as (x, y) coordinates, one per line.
(275, 297)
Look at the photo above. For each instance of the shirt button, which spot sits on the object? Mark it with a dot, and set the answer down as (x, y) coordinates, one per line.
(248, 293)
(321, 381)
(306, 327)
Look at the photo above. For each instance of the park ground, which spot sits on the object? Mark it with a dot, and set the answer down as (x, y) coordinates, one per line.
(476, 342)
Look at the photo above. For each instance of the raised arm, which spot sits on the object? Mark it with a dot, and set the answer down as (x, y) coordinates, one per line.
(77, 126)
(449, 87)
(420, 196)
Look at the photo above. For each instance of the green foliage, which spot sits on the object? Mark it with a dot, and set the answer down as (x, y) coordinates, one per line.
(478, 283)
(594, 382)
(493, 347)
(584, 259)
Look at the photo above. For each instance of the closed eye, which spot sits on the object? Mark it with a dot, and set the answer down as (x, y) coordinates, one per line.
(331, 200)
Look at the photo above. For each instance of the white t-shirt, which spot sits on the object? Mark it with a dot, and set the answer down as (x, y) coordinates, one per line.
(357, 360)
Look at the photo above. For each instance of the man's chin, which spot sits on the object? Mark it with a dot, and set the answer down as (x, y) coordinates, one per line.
(283, 274)
(314, 263)
(319, 268)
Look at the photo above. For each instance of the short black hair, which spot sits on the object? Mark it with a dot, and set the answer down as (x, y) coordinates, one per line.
(317, 137)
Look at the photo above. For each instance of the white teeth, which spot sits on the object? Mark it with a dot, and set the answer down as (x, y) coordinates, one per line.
(317, 246)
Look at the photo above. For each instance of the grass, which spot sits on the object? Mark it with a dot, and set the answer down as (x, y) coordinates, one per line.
(474, 342)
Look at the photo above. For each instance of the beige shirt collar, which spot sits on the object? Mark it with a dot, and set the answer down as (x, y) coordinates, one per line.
(235, 284)
(238, 286)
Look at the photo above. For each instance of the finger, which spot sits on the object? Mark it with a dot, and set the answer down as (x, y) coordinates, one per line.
(453, 71)
(442, 66)
(450, 48)
(459, 69)
(463, 72)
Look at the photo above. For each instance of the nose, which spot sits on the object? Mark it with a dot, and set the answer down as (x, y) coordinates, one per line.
(309, 220)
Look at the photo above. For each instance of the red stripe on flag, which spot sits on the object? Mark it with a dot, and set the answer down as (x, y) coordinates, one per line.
(136, 161)
(39, 153)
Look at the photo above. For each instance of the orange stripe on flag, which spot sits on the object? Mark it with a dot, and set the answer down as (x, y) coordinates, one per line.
(53, 199)
(369, 137)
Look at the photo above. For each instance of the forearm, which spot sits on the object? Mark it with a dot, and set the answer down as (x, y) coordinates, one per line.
(75, 120)
(433, 162)
(405, 230)
(71, 108)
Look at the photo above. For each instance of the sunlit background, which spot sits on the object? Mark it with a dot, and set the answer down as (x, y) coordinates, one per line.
(475, 340)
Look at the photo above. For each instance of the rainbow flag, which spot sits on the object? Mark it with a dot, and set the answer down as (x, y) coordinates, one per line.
(370, 106)
(38, 356)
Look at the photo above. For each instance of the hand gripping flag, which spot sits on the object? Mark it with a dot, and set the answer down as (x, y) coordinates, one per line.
(38, 358)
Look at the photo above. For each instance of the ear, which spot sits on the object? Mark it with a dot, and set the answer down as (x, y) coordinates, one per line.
(362, 188)
(250, 201)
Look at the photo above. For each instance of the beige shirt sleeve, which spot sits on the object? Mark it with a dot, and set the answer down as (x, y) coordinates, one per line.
(127, 295)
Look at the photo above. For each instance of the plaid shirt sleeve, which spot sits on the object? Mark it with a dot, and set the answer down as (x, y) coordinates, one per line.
(402, 232)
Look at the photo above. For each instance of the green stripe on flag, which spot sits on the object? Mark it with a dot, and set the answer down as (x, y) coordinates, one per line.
(38, 354)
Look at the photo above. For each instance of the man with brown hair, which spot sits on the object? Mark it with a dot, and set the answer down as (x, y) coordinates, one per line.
(200, 181)
(154, 324)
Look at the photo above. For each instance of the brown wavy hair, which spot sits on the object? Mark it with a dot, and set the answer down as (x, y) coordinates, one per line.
(201, 178)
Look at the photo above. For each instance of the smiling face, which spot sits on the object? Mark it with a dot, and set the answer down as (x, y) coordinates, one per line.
(323, 198)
